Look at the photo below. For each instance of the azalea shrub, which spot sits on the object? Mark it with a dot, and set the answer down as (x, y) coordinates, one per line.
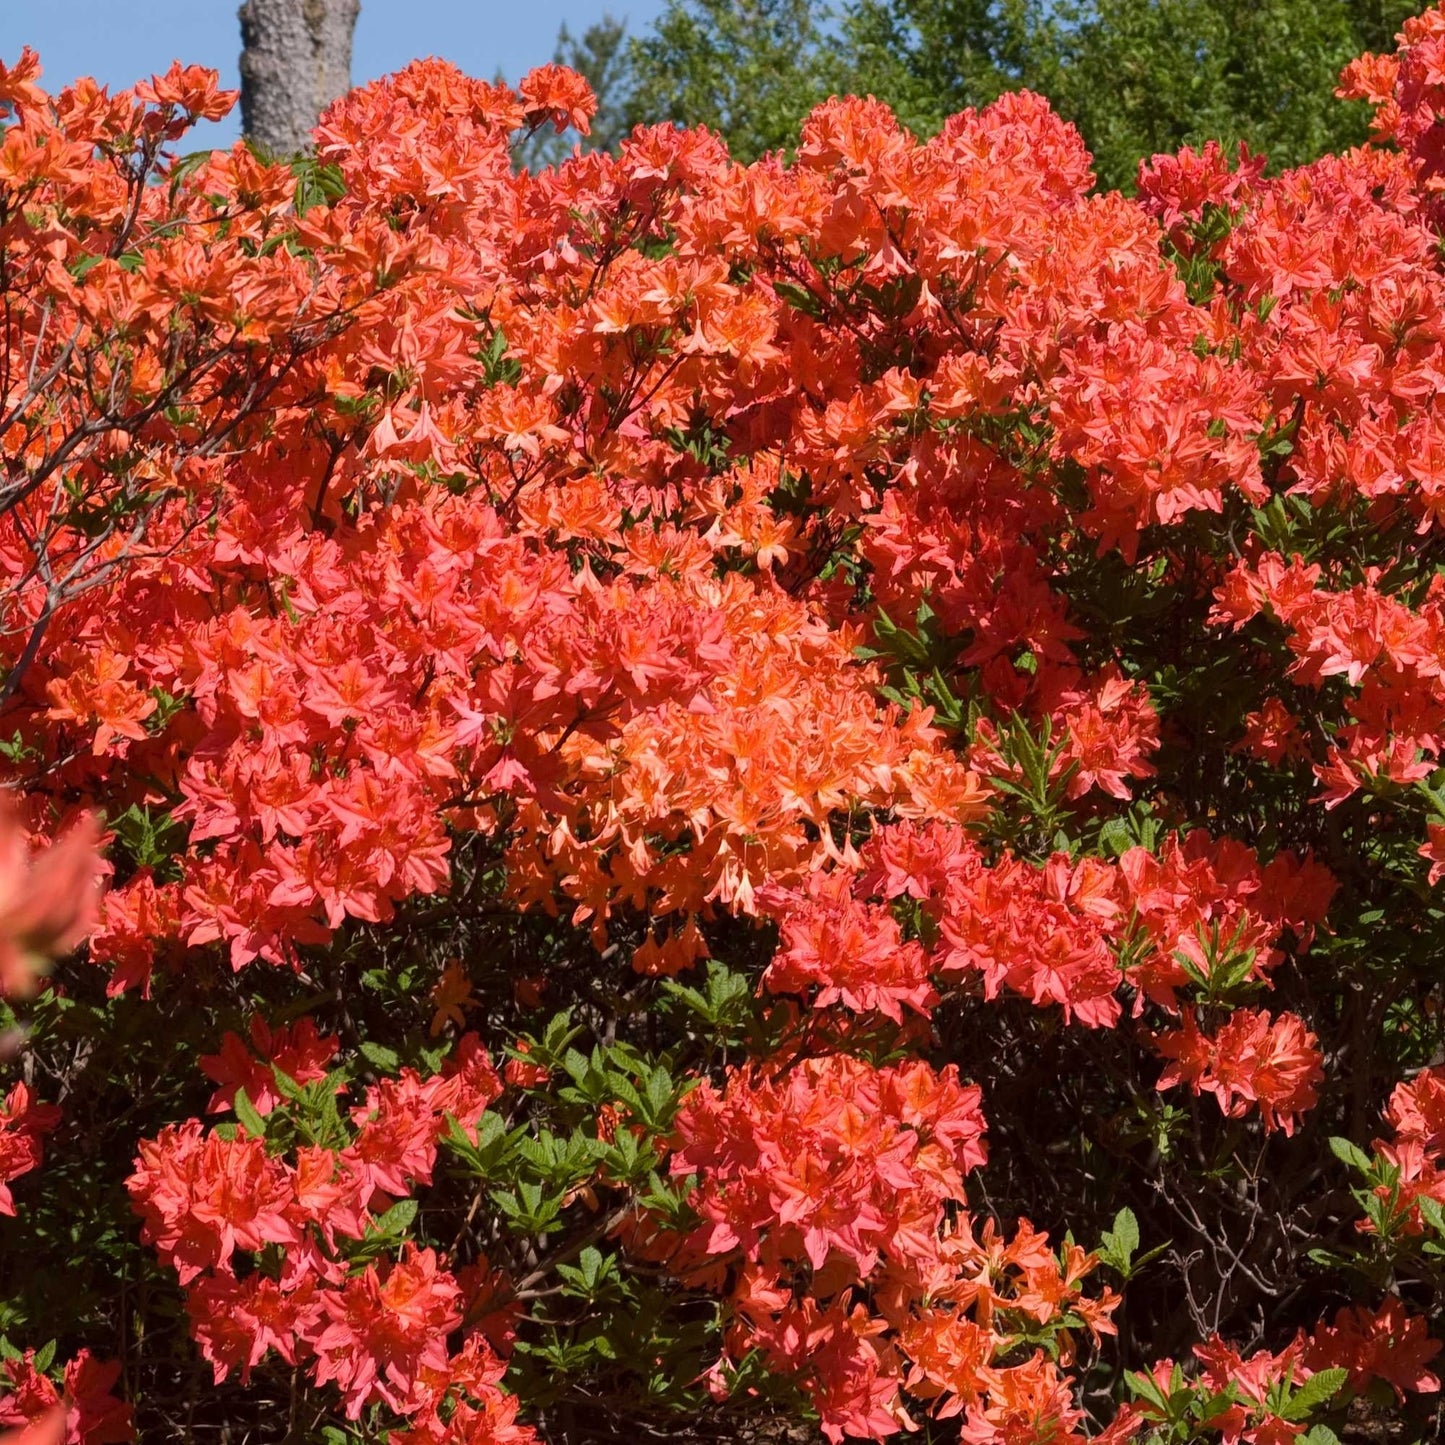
(737, 802)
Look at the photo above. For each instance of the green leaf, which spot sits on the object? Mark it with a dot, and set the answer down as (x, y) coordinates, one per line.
(498, 368)
(1348, 1152)
(1121, 1242)
(560, 1032)
(625, 1091)
(15, 749)
(659, 1091)
(185, 167)
(82, 266)
(1143, 1387)
(381, 1058)
(249, 1115)
(317, 183)
(150, 838)
(397, 1220)
(1433, 1214)
(1320, 1387)
(799, 298)
(577, 1065)
(286, 1086)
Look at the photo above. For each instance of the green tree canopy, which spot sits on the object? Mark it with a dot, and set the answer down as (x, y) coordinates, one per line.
(749, 69)
(1136, 76)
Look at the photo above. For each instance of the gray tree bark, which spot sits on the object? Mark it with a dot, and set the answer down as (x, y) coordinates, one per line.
(295, 60)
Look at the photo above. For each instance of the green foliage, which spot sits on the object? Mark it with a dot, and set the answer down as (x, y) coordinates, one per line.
(1118, 1245)
(316, 184)
(150, 838)
(1182, 72)
(748, 69)
(1138, 77)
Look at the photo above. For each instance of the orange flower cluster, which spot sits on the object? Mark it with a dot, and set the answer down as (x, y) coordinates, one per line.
(1074, 935)
(832, 1184)
(1390, 652)
(82, 1412)
(24, 1123)
(1244, 1396)
(1416, 1146)
(378, 1333)
(725, 546)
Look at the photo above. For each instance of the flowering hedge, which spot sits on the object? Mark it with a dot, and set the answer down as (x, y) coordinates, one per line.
(732, 797)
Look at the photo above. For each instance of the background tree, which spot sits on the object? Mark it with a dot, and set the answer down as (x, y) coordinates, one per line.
(749, 69)
(924, 59)
(295, 60)
(1138, 77)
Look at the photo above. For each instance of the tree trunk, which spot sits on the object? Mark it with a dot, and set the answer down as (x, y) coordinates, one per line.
(295, 60)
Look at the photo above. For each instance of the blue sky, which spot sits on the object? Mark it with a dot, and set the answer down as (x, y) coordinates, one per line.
(121, 41)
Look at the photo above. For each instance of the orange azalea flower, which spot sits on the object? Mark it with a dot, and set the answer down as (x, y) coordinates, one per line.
(452, 996)
(48, 900)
